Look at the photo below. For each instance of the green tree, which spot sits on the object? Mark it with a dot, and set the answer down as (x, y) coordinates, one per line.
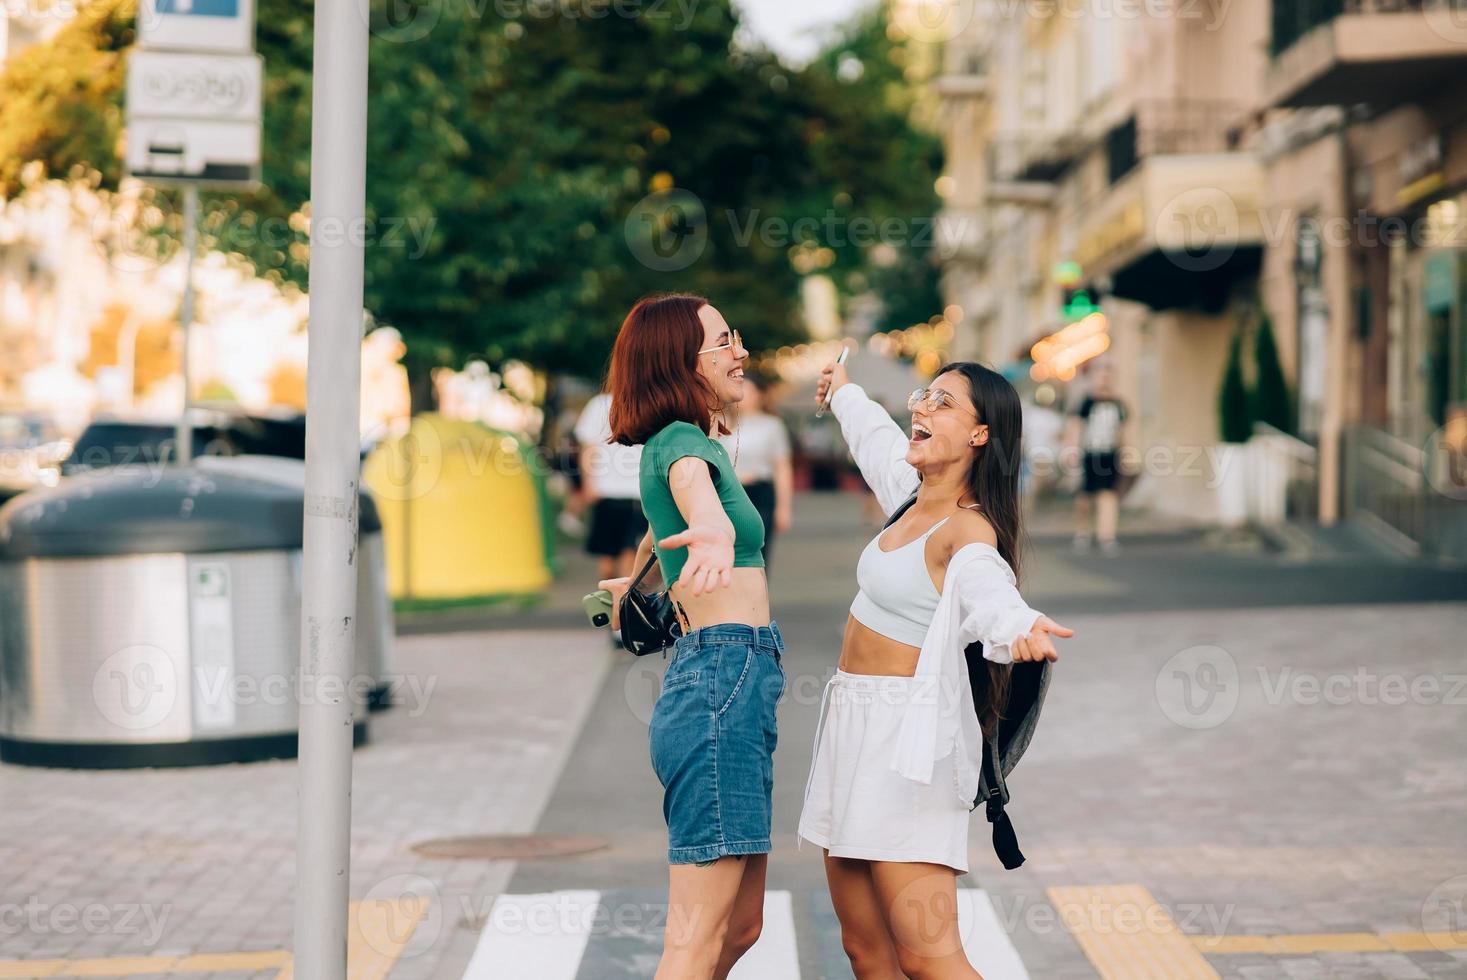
(1271, 402)
(506, 154)
(1234, 411)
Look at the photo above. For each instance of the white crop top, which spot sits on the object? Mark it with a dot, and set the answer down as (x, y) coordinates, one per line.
(897, 598)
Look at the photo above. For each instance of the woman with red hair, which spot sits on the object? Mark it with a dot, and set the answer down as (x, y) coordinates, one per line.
(677, 370)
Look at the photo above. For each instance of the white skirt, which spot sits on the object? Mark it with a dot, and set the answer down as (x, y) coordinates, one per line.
(856, 806)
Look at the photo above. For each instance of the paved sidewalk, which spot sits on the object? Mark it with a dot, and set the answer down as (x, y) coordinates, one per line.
(170, 862)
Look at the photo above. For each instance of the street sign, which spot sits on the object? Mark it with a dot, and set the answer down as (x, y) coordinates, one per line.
(194, 117)
(197, 25)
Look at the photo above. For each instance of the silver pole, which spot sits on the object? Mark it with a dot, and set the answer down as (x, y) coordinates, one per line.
(184, 436)
(333, 394)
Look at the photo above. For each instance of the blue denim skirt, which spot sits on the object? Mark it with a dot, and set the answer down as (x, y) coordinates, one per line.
(712, 741)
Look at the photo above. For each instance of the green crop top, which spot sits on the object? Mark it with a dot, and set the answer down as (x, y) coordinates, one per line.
(675, 441)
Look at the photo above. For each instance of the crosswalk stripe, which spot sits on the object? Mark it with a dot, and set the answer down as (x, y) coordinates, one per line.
(775, 956)
(987, 944)
(614, 935)
(542, 936)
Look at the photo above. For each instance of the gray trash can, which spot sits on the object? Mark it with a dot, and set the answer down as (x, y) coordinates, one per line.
(151, 617)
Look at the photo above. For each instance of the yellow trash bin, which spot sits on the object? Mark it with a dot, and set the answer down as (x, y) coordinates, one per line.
(462, 511)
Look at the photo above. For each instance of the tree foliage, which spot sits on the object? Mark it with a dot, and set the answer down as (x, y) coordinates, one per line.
(509, 144)
(1234, 407)
(1271, 402)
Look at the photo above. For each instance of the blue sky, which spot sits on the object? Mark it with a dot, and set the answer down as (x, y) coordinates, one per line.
(792, 27)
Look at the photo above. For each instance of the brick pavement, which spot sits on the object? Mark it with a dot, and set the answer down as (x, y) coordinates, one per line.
(169, 862)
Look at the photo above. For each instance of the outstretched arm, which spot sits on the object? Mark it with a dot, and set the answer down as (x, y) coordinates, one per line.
(995, 614)
(877, 443)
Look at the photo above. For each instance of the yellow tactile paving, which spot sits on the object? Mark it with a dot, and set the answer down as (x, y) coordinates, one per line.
(1425, 942)
(1333, 942)
(220, 962)
(1127, 934)
(377, 931)
(131, 966)
(25, 969)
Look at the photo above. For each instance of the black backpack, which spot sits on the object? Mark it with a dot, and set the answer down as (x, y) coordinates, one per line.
(1028, 683)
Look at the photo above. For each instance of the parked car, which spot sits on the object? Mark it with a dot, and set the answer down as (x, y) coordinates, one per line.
(108, 442)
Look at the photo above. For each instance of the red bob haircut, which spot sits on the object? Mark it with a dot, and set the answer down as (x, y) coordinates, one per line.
(654, 379)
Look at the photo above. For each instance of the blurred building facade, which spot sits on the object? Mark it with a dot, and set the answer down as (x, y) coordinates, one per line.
(1195, 170)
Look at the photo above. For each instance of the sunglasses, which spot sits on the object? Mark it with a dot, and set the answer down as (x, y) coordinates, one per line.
(734, 341)
(934, 399)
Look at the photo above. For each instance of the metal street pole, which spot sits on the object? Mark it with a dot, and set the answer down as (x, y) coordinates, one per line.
(333, 394)
(183, 441)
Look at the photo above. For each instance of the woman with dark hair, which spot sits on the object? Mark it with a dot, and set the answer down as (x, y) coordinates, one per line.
(898, 751)
(677, 369)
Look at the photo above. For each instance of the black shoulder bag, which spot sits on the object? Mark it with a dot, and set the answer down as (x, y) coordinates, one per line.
(649, 622)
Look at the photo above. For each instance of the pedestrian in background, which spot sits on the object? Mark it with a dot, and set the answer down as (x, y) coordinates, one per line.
(1097, 427)
(611, 489)
(677, 371)
(760, 446)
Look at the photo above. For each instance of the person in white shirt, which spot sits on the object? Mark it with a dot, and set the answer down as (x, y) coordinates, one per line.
(1097, 428)
(611, 485)
(760, 448)
(898, 757)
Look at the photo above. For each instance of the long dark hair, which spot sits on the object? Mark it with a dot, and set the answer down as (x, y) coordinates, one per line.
(993, 483)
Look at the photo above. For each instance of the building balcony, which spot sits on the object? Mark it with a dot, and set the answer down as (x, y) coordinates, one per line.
(1341, 52)
(1025, 158)
(1162, 127)
(1177, 231)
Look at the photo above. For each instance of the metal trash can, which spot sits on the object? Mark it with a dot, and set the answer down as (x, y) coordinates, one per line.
(151, 617)
(375, 625)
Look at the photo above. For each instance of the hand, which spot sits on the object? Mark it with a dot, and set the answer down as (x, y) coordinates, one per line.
(617, 587)
(783, 520)
(832, 377)
(710, 558)
(1036, 644)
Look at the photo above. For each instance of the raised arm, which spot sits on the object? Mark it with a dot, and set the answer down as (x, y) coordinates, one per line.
(877, 443)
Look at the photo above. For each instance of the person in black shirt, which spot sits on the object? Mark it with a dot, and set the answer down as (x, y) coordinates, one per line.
(1096, 427)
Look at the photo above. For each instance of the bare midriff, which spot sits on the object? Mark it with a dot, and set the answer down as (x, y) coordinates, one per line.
(744, 600)
(865, 651)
